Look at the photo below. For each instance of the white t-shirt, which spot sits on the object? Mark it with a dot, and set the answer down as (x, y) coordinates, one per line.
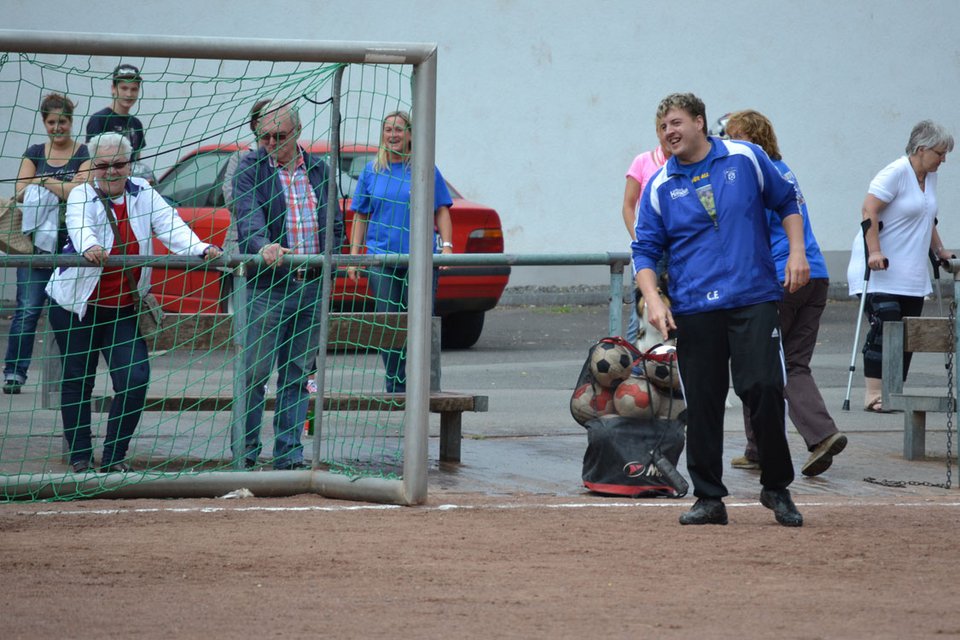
(907, 225)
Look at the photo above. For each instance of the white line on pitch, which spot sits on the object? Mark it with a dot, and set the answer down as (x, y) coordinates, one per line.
(453, 507)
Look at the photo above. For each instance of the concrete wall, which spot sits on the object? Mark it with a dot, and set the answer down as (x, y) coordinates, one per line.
(542, 105)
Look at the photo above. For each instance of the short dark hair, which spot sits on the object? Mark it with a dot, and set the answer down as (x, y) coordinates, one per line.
(56, 103)
(687, 102)
(126, 72)
(255, 113)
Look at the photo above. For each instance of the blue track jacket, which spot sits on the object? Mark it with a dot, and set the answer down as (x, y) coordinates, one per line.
(715, 227)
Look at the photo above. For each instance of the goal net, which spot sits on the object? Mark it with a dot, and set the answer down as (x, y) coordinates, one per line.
(75, 391)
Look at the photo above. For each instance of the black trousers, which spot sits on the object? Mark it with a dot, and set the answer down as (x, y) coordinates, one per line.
(745, 342)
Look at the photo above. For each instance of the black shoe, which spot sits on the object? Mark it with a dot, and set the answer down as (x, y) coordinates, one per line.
(295, 466)
(782, 505)
(706, 511)
(12, 387)
(116, 467)
(82, 466)
(248, 464)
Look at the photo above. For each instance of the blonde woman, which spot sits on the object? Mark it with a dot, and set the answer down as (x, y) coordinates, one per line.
(381, 225)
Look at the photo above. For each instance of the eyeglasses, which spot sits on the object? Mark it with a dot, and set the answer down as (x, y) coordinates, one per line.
(280, 136)
(942, 154)
(116, 166)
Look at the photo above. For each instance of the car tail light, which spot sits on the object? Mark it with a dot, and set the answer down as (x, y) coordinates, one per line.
(485, 241)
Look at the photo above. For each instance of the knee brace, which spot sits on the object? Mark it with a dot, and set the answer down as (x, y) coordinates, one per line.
(879, 311)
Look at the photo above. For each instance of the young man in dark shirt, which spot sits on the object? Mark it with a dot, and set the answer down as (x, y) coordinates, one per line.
(125, 91)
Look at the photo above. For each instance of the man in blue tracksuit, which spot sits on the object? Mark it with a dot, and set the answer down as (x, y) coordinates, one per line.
(707, 207)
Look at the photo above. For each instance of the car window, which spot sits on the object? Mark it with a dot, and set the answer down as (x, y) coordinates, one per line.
(351, 164)
(196, 181)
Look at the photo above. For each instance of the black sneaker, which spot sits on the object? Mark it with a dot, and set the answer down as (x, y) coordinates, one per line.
(82, 466)
(294, 466)
(116, 467)
(706, 511)
(780, 502)
(12, 387)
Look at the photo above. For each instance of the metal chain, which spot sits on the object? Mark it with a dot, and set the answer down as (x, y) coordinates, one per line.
(951, 409)
(951, 398)
(900, 484)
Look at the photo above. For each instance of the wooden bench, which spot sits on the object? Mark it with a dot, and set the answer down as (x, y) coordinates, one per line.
(914, 335)
(352, 331)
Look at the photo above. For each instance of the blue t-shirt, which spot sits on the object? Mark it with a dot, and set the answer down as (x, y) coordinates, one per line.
(780, 245)
(37, 155)
(384, 196)
(107, 120)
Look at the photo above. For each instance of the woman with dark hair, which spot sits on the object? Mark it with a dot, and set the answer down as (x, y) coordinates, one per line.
(901, 207)
(800, 313)
(381, 225)
(49, 171)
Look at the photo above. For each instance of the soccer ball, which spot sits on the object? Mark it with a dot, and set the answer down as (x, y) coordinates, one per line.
(610, 363)
(636, 398)
(668, 405)
(589, 402)
(660, 365)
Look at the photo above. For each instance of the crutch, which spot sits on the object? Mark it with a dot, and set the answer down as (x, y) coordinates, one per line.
(865, 225)
(935, 262)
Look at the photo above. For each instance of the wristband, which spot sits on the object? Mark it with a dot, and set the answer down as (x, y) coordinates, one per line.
(447, 244)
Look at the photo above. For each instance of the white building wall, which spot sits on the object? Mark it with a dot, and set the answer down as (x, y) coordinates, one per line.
(542, 105)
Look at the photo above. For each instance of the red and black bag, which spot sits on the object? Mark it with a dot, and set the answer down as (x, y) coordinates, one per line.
(635, 434)
(634, 458)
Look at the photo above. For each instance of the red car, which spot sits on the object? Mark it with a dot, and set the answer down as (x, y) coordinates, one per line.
(194, 187)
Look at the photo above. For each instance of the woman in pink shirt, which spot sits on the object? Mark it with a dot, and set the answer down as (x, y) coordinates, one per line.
(643, 167)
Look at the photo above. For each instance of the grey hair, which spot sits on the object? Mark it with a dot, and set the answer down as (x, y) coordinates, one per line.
(275, 109)
(111, 140)
(928, 134)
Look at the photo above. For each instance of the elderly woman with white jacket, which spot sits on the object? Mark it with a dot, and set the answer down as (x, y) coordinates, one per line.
(93, 310)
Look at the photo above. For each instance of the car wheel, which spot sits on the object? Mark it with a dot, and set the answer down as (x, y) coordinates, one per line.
(461, 330)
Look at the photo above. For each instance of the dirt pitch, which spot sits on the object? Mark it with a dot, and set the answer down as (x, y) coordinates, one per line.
(507, 567)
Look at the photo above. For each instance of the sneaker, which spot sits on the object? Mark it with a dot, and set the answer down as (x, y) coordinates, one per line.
(706, 511)
(82, 466)
(743, 462)
(300, 465)
(116, 467)
(12, 387)
(780, 502)
(822, 456)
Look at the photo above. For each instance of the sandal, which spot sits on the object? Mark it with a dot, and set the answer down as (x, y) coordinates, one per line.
(875, 406)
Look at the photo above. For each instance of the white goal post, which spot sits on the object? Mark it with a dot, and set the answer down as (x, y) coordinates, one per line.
(411, 488)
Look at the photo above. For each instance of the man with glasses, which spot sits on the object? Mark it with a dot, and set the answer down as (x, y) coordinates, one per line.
(116, 118)
(95, 307)
(280, 207)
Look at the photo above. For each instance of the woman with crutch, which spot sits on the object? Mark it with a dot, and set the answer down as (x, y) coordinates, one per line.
(901, 206)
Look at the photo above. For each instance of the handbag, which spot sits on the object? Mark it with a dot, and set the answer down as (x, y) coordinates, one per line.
(149, 312)
(13, 241)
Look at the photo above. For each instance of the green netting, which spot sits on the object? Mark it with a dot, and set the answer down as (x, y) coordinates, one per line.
(196, 116)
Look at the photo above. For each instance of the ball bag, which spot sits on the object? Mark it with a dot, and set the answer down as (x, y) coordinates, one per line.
(634, 458)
